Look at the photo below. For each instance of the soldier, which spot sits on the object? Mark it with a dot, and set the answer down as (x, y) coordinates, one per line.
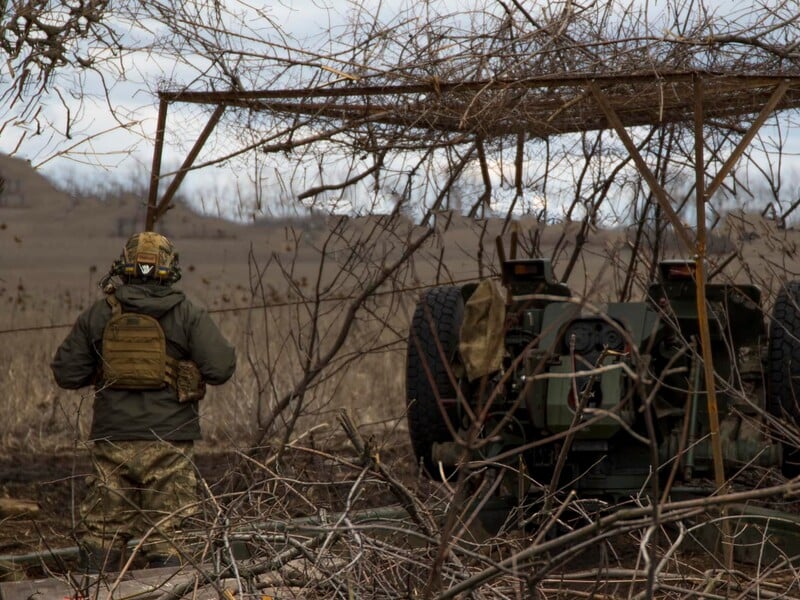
(149, 352)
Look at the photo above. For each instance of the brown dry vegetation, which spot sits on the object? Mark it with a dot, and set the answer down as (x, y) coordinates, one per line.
(276, 449)
(483, 108)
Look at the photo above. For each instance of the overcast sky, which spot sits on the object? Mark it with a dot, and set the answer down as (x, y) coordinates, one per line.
(102, 148)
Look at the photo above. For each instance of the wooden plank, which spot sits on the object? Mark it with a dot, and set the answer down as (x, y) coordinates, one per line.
(146, 584)
(143, 584)
(12, 507)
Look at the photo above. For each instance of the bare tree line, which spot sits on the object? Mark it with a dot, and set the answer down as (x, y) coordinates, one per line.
(419, 44)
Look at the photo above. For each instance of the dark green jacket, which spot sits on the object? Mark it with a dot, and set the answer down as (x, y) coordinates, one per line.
(148, 414)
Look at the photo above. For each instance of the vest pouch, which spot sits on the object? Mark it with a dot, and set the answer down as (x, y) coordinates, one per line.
(134, 353)
(190, 384)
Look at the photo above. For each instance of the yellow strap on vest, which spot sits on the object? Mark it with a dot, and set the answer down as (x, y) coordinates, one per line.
(171, 372)
(116, 307)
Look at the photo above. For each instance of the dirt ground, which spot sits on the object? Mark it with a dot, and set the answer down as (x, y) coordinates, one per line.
(55, 482)
(52, 252)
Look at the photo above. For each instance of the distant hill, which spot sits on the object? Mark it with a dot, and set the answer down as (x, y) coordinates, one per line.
(25, 193)
(51, 240)
(21, 186)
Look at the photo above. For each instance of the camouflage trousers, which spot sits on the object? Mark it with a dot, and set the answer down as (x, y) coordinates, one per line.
(144, 489)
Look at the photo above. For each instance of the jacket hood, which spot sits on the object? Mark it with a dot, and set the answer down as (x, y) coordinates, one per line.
(150, 299)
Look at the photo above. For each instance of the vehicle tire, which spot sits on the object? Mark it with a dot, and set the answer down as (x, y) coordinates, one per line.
(783, 367)
(438, 316)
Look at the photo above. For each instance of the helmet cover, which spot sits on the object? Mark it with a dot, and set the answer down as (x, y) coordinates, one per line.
(150, 255)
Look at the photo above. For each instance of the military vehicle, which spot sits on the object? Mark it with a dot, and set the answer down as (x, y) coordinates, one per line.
(586, 396)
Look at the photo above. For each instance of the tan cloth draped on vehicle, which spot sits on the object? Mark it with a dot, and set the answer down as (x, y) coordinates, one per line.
(482, 331)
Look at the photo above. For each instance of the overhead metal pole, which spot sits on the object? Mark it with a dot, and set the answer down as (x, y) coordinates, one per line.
(702, 310)
(655, 187)
(155, 171)
(769, 107)
(163, 204)
(156, 208)
(700, 269)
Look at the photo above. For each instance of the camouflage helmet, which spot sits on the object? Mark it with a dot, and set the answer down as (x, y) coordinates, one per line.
(150, 256)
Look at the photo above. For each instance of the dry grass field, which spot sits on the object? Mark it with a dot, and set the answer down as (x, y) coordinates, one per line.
(257, 280)
(284, 293)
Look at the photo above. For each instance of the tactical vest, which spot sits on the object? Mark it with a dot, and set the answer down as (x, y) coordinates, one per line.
(135, 352)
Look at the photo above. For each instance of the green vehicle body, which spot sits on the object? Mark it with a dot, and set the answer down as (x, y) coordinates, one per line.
(580, 377)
